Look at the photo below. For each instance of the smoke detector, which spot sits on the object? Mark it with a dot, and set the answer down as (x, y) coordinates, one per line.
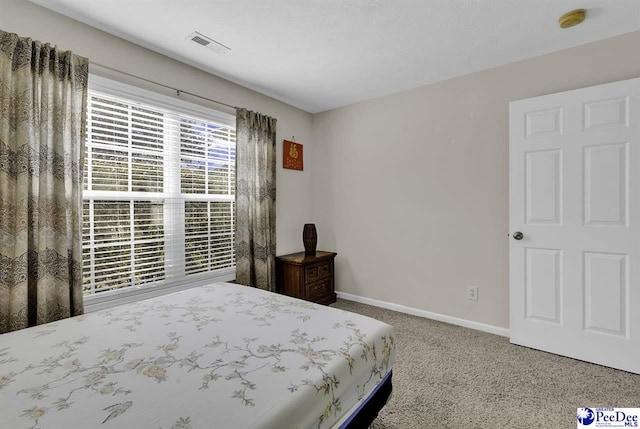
(572, 18)
(208, 43)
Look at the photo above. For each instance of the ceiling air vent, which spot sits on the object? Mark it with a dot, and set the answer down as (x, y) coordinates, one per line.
(208, 42)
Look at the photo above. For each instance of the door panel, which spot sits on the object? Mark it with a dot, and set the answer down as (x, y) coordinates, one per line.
(606, 183)
(605, 291)
(542, 186)
(575, 196)
(606, 113)
(544, 123)
(543, 284)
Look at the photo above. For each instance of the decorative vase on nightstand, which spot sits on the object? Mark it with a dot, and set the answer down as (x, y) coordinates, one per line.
(309, 238)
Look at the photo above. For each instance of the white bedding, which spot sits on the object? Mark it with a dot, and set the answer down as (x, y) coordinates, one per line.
(219, 356)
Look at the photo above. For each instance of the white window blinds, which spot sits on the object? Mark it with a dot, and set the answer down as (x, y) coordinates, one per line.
(158, 194)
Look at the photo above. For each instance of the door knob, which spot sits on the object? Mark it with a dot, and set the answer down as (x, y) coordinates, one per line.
(518, 235)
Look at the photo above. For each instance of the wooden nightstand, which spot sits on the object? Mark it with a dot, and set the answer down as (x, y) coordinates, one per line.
(308, 277)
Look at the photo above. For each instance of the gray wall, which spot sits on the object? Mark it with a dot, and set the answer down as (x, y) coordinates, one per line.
(412, 188)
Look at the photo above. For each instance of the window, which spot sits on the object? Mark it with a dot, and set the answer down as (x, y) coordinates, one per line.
(158, 200)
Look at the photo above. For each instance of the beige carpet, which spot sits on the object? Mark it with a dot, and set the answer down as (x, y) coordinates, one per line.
(447, 376)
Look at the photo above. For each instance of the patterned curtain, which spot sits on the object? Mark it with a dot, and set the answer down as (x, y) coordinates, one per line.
(255, 200)
(43, 97)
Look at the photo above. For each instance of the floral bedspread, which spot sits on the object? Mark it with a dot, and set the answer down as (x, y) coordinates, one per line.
(215, 357)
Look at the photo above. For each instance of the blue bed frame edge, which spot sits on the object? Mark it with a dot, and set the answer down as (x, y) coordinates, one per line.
(367, 412)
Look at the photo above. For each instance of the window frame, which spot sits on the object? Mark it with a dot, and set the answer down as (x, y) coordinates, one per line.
(110, 298)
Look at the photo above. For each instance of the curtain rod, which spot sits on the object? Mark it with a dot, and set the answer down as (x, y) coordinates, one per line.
(178, 91)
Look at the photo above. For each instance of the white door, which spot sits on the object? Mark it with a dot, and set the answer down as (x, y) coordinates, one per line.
(574, 199)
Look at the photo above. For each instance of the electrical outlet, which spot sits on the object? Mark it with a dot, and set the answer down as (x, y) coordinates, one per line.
(472, 293)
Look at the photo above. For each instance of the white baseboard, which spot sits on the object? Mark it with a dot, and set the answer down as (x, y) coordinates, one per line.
(427, 314)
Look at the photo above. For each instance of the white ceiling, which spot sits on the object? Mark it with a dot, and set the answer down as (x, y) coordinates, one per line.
(322, 54)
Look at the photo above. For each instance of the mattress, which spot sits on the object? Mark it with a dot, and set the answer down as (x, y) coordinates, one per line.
(218, 356)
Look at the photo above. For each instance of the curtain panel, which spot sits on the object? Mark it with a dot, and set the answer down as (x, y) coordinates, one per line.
(43, 96)
(255, 199)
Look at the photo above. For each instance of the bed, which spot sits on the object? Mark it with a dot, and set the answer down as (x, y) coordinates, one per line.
(218, 356)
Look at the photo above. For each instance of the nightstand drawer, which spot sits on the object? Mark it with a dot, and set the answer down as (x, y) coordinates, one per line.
(318, 289)
(307, 276)
(316, 272)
